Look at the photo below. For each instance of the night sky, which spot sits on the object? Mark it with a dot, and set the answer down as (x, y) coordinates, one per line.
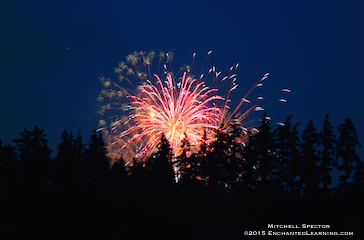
(52, 53)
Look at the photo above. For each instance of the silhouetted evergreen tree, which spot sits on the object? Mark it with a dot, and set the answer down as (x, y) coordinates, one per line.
(68, 161)
(327, 154)
(217, 168)
(96, 162)
(263, 151)
(64, 159)
(358, 177)
(345, 150)
(79, 147)
(203, 154)
(294, 185)
(309, 159)
(9, 169)
(286, 169)
(35, 160)
(161, 165)
(184, 163)
(79, 151)
(249, 166)
(235, 155)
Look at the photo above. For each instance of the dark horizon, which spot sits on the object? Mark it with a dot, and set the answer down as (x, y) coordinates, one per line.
(273, 179)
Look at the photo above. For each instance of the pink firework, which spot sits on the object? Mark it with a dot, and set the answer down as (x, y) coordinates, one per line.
(180, 106)
(177, 110)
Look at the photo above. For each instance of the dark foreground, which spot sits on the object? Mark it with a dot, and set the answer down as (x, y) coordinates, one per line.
(186, 211)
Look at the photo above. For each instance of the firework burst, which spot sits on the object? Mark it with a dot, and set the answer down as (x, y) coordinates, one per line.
(180, 106)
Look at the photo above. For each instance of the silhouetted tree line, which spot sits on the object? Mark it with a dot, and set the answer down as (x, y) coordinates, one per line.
(270, 158)
(276, 175)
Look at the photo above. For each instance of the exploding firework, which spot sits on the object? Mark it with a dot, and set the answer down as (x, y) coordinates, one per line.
(178, 105)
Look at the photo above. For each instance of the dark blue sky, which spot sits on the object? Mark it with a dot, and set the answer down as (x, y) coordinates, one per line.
(315, 48)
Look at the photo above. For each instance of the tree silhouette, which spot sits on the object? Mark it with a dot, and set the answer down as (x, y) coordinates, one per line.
(66, 162)
(309, 160)
(203, 155)
(263, 151)
(225, 179)
(35, 160)
(9, 169)
(359, 174)
(235, 155)
(295, 161)
(287, 165)
(249, 166)
(217, 167)
(96, 163)
(161, 165)
(186, 168)
(79, 148)
(327, 154)
(345, 150)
